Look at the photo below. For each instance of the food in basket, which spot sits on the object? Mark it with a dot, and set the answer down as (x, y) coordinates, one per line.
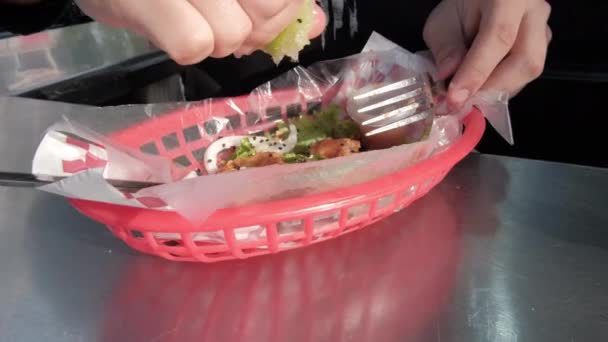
(294, 37)
(323, 135)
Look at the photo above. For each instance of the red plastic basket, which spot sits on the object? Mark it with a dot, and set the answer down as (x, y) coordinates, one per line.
(321, 216)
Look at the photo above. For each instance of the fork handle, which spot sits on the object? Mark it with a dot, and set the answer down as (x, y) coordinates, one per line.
(28, 180)
(21, 180)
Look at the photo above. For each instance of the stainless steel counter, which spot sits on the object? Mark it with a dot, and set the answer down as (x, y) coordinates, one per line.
(51, 56)
(503, 250)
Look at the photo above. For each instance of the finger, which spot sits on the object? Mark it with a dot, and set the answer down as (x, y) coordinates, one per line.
(443, 36)
(498, 30)
(319, 22)
(269, 18)
(173, 26)
(228, 34)
(318, 26)
(527, 58)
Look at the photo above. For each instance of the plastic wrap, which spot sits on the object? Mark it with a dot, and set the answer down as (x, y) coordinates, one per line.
(492, 103)
(166, 142)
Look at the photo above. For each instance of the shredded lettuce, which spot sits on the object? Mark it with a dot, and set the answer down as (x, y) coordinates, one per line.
(291, 158)
(323, 124)
(309, 133)
(245, 149)
(346, 129)
(282, 131)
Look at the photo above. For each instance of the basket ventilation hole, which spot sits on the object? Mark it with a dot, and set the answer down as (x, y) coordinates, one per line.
(326, 222)
(192, 133)
(386, 201)
(274, 113)
(212, 127)
(313, 107)
(235, 121)
(170, 141)
(149, 148)
(358, 211)
(288, 228)
(294, 110)
(249, 233)
(216, 255)
(182, 161)
(137, 234)
(252, 118)
(199, 154)
(172, 243)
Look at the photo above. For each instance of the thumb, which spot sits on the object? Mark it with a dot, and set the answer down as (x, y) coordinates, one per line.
(443, 36)
(319, 22)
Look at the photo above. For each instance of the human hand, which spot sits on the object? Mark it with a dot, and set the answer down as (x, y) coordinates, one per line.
(192, 30)
(488, 44)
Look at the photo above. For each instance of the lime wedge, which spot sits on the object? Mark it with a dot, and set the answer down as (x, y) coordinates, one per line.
(294, 37)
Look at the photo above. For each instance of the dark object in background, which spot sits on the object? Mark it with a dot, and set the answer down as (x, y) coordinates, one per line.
(558, 117)
(47, 14)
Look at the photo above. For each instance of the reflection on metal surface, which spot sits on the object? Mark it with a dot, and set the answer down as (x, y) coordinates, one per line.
(23, 123)
(526, 261)
(42, 58)
(386, 283)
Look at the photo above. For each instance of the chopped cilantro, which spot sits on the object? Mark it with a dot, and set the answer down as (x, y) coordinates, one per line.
(245, 149)
(323, 124)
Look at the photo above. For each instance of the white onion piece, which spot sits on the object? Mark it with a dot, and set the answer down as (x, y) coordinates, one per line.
(276, 145)
(217, 147)
(260, 144)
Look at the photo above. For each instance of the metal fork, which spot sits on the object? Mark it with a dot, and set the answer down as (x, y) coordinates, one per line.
(27, 180)
(395, 105)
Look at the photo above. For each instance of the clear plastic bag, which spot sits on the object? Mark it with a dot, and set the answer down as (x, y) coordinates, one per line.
(493, 104)
(165, 142)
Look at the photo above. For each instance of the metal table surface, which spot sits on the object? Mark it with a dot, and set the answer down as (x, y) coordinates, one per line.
(47, 57)
(502, 250)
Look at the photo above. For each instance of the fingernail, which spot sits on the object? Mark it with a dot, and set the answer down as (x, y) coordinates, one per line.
(442, 108)
(457, 98)
(461, 95)
(319, 22)
(447, 67)
(449, 64)
(245, 50)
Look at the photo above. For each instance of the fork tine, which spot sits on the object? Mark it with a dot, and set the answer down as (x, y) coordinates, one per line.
(407, 121)
(393, 100)
(390, 87)
(405, 111)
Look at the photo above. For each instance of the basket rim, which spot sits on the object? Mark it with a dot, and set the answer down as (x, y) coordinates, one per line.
(305, 206)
